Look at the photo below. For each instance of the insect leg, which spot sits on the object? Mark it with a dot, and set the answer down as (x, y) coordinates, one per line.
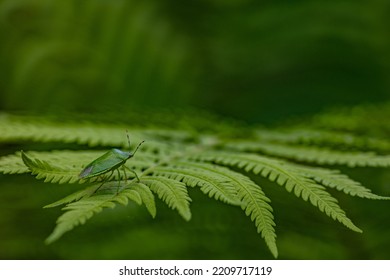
(132, 171)
(104, 181)
(119, 180)
(99, 187)
(124, 170)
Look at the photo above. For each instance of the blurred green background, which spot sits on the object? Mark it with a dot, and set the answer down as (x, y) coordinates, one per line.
(256, 61)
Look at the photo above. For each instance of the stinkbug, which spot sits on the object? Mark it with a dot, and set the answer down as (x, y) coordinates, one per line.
(110, 161)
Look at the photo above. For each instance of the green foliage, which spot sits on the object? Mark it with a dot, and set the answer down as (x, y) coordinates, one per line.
(192, 155)
(314, 154)
(172, 192)
(66, 54)
(366, 119)
(85, 207)
(95, 54)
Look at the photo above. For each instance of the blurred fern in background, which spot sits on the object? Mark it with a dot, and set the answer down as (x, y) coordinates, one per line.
(91, 55)
(286, 58)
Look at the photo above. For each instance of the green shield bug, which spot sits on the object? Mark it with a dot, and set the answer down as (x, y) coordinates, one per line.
(110, 161)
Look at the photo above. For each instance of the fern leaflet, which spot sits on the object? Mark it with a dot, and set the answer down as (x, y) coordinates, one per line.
(172, 192)
(146, 196)
(87, 192)
(12, 164)
(286, 176)
(323, 138)
(78, 212)
(253, 200)
(341, 182)
(209, 183)
(314, 154)
(48, 172)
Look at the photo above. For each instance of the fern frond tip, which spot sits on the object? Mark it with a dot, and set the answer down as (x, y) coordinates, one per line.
(272, 247)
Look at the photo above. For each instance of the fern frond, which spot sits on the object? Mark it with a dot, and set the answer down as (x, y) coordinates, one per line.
(88, 204)
(362, 119)
(256, 205)
(313, 154)
(50, 172)
(16, 128)
(252, 199)
(209, 182)
(77, 213)
(334, 179)
(45, 164)
(12, 164)
(87, 192)
(124, 195)
(171, 161)
(172, 192)
(146, 196)
(327, 138)
(287, 176)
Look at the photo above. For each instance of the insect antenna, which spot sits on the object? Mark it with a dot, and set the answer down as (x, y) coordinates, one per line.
(136, 149)
(128, 138)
